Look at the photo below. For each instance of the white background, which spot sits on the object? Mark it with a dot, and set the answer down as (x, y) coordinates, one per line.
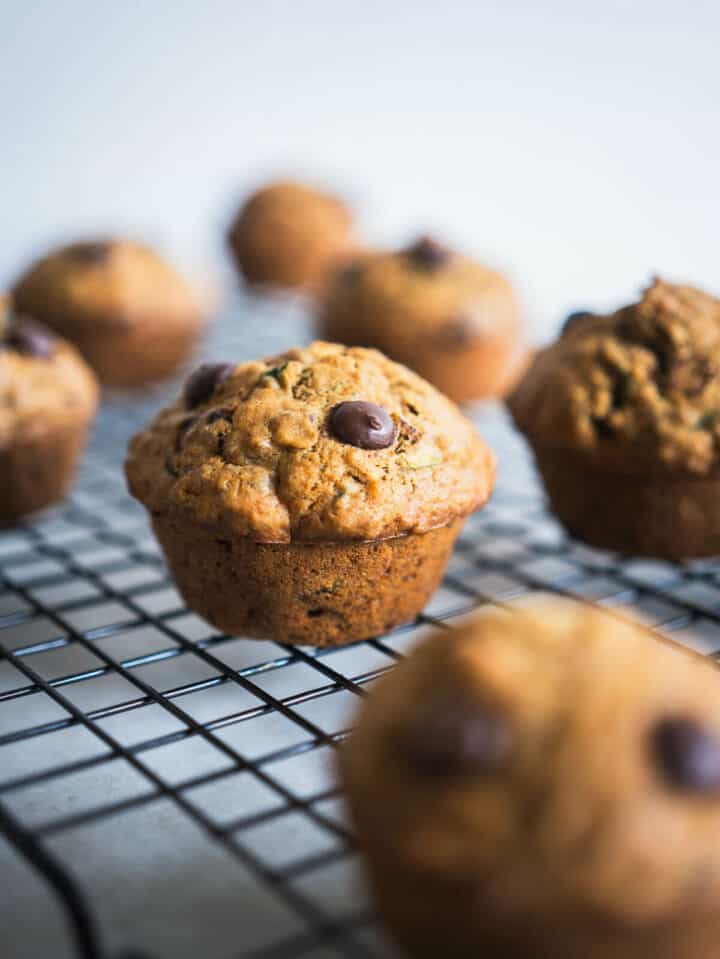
(574, 144)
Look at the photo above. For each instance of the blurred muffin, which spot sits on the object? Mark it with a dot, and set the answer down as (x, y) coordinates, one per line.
(48, 398)
(289, 235)
(451, 320)
(623, 415)
(134, 319)
(542, 784)
(313, 497)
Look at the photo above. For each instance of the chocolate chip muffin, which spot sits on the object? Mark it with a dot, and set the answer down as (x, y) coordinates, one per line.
(451, 320)
(623, 415)
(289, 235)
(134, 319)
(550, 787)
(309, 498)
(48, 398)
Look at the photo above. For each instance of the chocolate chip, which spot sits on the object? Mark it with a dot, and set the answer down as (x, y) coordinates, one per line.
(362, 424)
(201, 384)
(455, 739)
(687, 754)
(455, 334)
(428, 254)
(573, 320)
(601, 426)
(183, 427)
(349, 274)
(30, 339)
(96, 252)
(223, 413)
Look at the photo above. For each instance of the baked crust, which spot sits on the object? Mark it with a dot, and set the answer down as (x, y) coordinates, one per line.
(257, 457)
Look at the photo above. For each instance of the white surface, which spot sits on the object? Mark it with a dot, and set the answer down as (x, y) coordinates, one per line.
(575, 144)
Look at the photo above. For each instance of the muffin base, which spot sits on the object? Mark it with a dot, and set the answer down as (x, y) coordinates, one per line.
(457, 920)
(38, 471)
(145, 353)
(320, 594)
(660, 515)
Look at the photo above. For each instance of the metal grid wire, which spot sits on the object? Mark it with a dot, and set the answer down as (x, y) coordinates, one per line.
(166, 791)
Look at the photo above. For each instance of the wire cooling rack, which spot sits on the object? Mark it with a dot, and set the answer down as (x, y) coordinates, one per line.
(166, 792)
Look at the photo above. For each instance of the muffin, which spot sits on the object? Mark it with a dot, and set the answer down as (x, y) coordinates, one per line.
(309, 498)
(544, 783)
(453, 321)
(134, 319)
(48, 398)
(289, 235)
(623, 415)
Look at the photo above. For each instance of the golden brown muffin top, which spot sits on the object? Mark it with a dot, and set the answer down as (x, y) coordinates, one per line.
(43, 380)
(645, 378)
(288, 234)
(287, 448)
(565, 762)
(104, 286)
(425, 292)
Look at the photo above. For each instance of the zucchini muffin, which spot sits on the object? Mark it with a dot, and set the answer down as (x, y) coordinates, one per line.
(48, 398)
(453, 321)
(544, 783)
(289, 235)
(313, 497)
(623, 415)
(134, 319)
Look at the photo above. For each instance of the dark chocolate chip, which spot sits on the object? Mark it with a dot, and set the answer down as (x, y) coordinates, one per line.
(223, 413)
(602, 427)
(349, 274)
(95, 252)
(183, 427)
(687, 754)
(428, 254)
(201, 384)
(31, 339)
(619, 390)
(362, 424)
(455, 739)
(573, 320)
(455, 334)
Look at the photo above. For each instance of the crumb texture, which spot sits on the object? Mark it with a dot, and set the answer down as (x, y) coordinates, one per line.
(644, 377)
(258, 458)
(397, 302)
(289, 234)
(104, 285)
(450, 319)
(39, 395)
